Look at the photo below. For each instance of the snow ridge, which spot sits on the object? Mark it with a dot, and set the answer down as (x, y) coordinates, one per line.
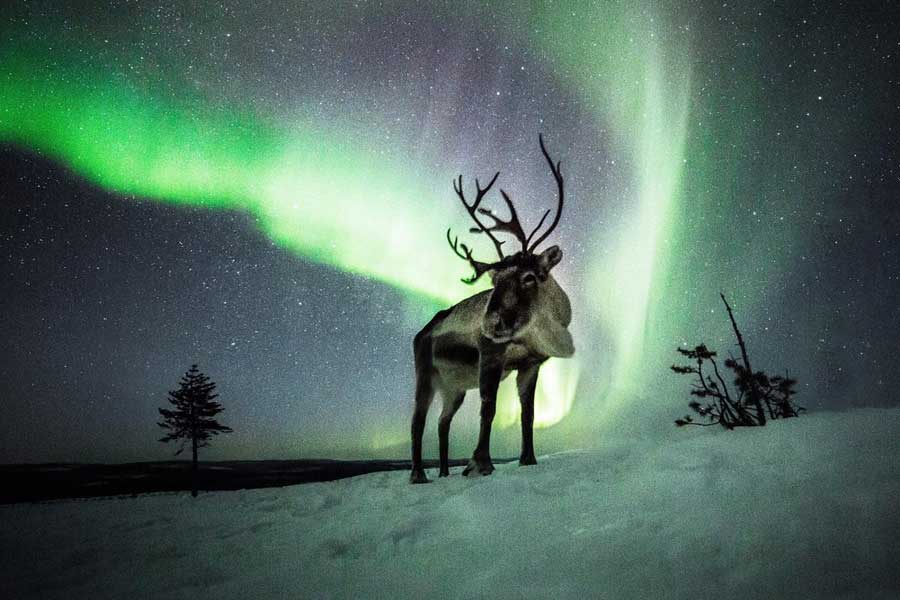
(802, 508)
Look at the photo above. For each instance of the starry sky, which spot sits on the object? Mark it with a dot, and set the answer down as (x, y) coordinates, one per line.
(263, 190)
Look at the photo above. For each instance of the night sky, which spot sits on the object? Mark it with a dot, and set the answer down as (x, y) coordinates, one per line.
(263, 190)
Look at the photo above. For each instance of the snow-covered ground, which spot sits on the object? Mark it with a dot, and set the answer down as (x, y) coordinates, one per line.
(805, 508)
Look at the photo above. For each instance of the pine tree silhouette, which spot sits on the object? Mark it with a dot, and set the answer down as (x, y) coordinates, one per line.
(755, 393)
(192, 419)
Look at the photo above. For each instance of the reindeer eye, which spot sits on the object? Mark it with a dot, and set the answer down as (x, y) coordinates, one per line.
(529, 279)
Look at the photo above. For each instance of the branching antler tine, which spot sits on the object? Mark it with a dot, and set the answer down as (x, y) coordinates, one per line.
(457, 187)
(557, 175)
(473, 209)
(479, 267)
(535, 230)
(514, 226)
(453, 243)
(482, 192)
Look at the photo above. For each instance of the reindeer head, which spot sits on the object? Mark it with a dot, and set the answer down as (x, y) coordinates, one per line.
(520, 279)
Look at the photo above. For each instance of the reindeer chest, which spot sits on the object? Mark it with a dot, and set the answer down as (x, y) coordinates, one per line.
(516, 352)
(517, 355)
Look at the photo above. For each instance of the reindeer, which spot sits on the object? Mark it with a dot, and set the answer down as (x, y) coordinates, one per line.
(514, 326)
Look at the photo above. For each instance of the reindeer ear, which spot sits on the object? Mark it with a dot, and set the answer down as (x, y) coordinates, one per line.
(550, 257)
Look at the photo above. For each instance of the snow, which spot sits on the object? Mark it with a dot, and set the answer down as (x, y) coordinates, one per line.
(804, 508)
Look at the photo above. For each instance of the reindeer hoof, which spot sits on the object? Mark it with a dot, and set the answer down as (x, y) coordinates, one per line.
(527, 460)
(444, 473)
(418, 477)
(479, 467)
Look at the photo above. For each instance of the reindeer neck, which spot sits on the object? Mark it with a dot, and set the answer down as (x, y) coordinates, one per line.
(556, 302)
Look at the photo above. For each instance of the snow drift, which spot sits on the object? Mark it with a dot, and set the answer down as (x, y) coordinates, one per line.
(803, 508)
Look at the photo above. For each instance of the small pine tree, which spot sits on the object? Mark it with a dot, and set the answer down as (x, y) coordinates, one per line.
(192, 419)
(756, 393)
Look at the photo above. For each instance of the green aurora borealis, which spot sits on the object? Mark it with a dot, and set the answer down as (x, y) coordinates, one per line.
(335, 201)
(127, 116)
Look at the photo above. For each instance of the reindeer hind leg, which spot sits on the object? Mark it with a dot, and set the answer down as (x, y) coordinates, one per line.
(424, 396)
(453, 399)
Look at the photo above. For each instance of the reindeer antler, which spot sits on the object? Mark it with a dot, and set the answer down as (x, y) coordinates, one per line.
(512, 225)
(466, 254)
(473, 209)
(557, 175)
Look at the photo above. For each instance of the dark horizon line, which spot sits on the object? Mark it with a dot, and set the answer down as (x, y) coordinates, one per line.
(200, 461)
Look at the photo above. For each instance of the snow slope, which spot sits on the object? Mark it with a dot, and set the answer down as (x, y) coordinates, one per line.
(806, 508)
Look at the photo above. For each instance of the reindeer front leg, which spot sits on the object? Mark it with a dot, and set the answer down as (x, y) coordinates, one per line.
(526, 381)
(490, 371)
